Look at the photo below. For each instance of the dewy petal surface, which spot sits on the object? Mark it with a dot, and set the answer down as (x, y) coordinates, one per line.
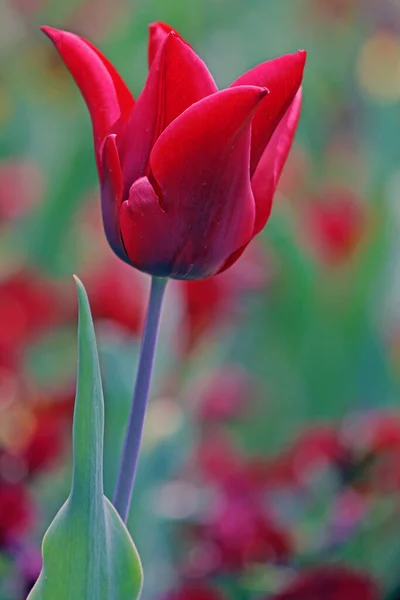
(158, 31)
(104, 91)
(177, 79)
(206, 208)
(283, 77)
(271, 164)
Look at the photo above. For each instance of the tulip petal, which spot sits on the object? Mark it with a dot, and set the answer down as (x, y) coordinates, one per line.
(283, 77)
(104, 91)
(268, 172)
(111, 195)
(233, 258)
(177, 79)
(271, 164)
(147, 231)
(157, 33)
(201, 166)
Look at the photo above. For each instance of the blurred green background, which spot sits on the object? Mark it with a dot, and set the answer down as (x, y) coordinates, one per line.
(311, 315)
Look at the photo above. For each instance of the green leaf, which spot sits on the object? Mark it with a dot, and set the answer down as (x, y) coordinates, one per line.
(87, 551)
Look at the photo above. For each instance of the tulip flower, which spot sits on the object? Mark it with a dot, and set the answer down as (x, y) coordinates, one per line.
(187, 172)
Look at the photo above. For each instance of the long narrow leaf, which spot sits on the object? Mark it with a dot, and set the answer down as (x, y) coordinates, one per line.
(87, 551)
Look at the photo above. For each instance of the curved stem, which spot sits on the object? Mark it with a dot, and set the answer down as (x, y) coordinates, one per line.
(130, 455)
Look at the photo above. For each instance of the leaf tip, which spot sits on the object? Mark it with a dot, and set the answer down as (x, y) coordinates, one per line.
(82, 294)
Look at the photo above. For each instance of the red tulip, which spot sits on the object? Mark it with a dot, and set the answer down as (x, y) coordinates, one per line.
(187, 173)
(331, 583)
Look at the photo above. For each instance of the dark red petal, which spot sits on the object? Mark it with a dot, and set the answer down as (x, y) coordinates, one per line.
(111, 195)
(177, 79)
(282, 76)
(201, 165)
(105, 93)
(157, 33)
(147, 231)
(233, 258)
(271, 164)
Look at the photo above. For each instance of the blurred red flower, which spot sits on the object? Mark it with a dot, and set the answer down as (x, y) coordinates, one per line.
(336, 223)
(236, 530)
(16, 511)
(219, 462)
(242, 535)
(235, 534)
(224, 394)
(195, 591)
(21, 186)
(117, 294)
(49, 434)
(331, 583)
(33, 432)
(187, 173)
(30, 303)
(316, 448)
(378, 441)
(211, 302)
(378, 432)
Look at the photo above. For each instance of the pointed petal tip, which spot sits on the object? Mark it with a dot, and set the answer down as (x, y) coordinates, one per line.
(51, 32)
(302, 56)
(159, 25)
(298, 58)
(173, 37)
(163, 29)
(256, 92)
